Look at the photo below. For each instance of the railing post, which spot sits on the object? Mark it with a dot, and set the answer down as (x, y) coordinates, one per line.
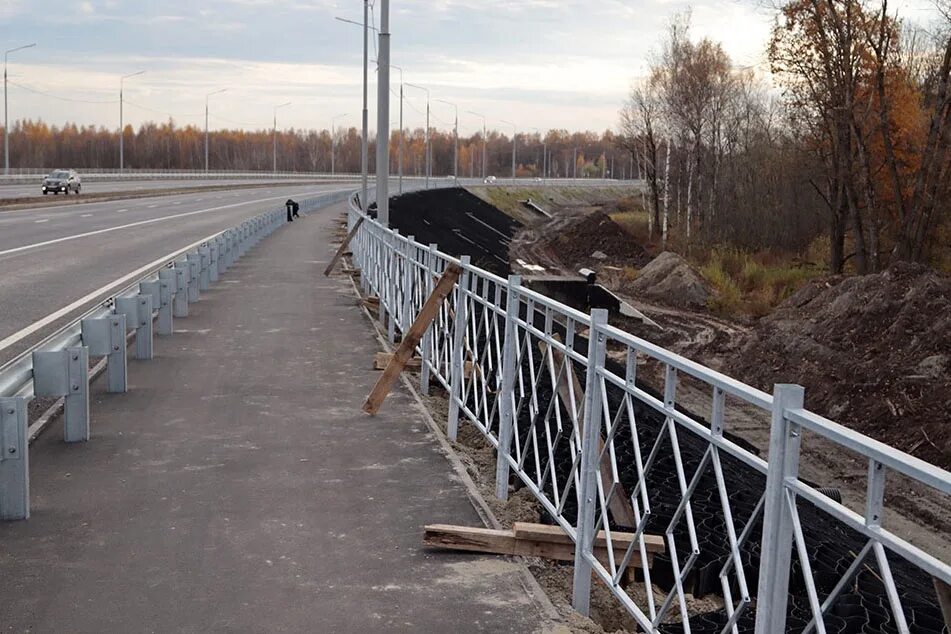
(393, 284)
(194, 272)
(65, 373)
(213, 264)
(776, 546)
(204, 275)
(409, 266)
(14, 460)
(106, 338)
(590, 465)
(427, 342)
(506, 397)
(457, 373)
(138, 315)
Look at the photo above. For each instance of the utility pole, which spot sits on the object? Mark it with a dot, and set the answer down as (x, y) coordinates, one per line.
(383, 118)
(399, 159)
(206, 123)
(275, 133)
(333, 142)
(514, 134)
(455, 137)
(6, 122)
(485, 140)
(121, 121)
(428, 152)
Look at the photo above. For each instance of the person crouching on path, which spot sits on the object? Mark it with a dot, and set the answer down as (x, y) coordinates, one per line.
(292, 208)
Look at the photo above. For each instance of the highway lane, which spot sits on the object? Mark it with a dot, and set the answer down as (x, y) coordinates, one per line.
(29, 190)
(78, 250)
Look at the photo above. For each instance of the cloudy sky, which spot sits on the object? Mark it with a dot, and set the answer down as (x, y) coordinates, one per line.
(539, 63)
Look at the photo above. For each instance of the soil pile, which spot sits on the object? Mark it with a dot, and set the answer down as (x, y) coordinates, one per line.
(873, 352)
(594, 240)
(670, 279)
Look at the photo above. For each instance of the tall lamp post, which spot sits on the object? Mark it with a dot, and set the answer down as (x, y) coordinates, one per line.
(6, 122)
(428, 151)
(215, 92)
(399, 159)
(276, 108)
(122, 121)
(544, 152)
(514, 133)
(383, 118)
(333, 141)
(455, 139)
(484, 140)
(364, 156)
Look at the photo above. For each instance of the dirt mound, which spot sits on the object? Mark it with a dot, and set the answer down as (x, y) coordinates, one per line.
(872, 352)
(670, 279)
(594, 240)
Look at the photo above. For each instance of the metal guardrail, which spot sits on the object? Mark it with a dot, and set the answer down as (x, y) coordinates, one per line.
(58, 366)
(556, 393)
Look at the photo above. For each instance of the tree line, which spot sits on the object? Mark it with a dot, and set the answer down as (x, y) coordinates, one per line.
(854, 151)
(557, 154)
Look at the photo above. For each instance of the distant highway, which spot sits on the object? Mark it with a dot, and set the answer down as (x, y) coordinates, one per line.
(29, 190)
(53, 256)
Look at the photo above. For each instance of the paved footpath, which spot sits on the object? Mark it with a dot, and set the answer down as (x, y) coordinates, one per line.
(237, 486)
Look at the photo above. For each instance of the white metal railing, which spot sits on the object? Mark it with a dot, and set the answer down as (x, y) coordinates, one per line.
(531, 374)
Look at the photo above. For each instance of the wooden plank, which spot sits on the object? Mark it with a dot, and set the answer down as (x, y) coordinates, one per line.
(619, 505)
(482, 540)
(555, 534)
(383, 359)
(943, 591)
(343, 247)
(412, 338)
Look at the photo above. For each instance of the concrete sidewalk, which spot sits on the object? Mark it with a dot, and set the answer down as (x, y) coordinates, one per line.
(238, 487)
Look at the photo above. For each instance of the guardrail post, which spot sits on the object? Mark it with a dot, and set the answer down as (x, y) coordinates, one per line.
(161, 292)
(14, 460)
(776, 545)
(427, 343)
(65, 373)
(204, 277)
(213, 261)
(457, 372)
(393, 284)
(105, 337)
(182, 277)
(221, 263)
(506, 394)
(194, 272)
(138, 316)
(589, 468)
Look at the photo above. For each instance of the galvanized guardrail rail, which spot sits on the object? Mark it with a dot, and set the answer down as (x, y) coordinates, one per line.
(601, 451)
(58, 366)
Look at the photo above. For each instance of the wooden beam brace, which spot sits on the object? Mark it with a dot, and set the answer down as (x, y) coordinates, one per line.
(343, 247)
(411, 339)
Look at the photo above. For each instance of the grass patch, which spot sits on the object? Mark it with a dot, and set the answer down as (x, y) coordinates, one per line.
(752, 283)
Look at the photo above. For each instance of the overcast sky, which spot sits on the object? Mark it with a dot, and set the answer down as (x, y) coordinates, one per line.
(540, 63)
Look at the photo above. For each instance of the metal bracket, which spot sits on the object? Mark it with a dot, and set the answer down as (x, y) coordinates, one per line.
(167, 287)
(213, 264)
(194, 272)
(65, 373)
(106, 337)
(14, 460)
(138, 314)
(182, 277)
(204, 275)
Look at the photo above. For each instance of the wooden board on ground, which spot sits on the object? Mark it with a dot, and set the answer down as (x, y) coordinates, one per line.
(383, 359)
(412, 338)
(532, 540)
(343, 247)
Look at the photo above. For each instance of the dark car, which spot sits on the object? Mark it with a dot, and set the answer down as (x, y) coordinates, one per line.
(62, 181)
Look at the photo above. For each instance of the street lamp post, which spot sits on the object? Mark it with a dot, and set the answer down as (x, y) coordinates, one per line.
(364, 157)
(6, 122)
(484, 140)
(455, 139)
(383, 118)
(399, 159)
(215, 92)
(276, 108)
(428, 150)
(544, 152)
(121, 120)
(514, 133)
(333, 142)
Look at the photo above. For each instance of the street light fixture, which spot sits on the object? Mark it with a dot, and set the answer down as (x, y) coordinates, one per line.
(455, 137)
(514, 133)
(121, 121)
(428, 151)
(276, 108)
(6, 122)
(484, 140)
(364, 152)
(214, 92)
(333, 141)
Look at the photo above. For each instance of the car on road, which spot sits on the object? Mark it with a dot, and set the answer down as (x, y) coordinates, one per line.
(62, 181)
(489, 179)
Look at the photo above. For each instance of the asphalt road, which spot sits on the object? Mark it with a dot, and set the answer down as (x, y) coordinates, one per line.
(52, 256)
(29, 190)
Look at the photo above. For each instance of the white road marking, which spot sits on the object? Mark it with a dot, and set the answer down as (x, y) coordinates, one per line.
(152, 206)
(77, 236)
(121, 211)
(43, 220)
(85, 215)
